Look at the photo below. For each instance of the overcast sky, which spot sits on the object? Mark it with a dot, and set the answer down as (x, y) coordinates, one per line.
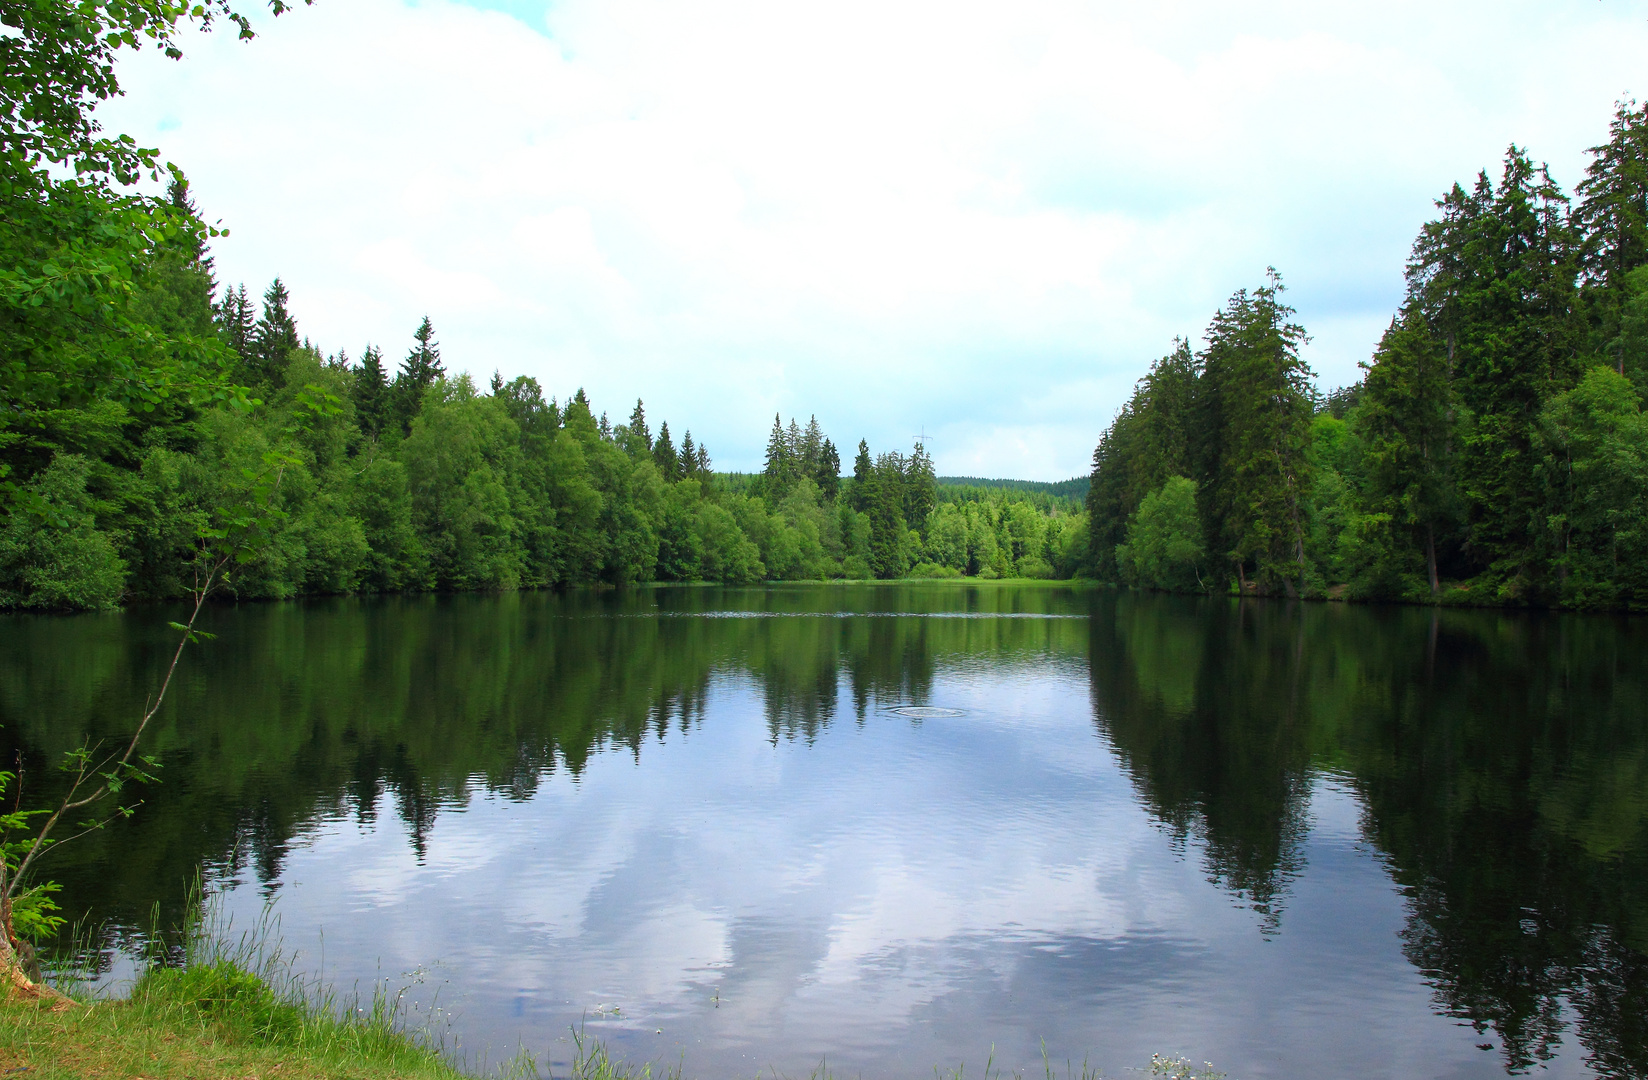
(981, 220)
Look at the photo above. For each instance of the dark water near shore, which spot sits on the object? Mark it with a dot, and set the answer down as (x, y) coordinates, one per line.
(1292, 840)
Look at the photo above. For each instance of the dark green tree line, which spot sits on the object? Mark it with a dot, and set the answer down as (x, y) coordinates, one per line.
(427, 481)
(1493, 452)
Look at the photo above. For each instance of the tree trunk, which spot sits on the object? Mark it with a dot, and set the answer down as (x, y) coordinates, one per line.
(1430, 558)
(16, 980)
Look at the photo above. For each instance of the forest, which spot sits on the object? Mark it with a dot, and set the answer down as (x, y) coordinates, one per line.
(151, 420)
(422, 480)
(1493, 452)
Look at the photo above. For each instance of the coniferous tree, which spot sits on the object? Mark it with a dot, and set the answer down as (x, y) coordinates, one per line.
(177, 288)
(828, 474)
(1611, 217)
(863, 479)
(1255, 403)
(780, 469)
(810, 453)
(236, 317)
(423, 363)
(371, 392)
(1406, 424)
(887, 510)
(703, 459)
(1611, 222)
(273, 337)
(1153, 439)
(1495, 278)
(920, 489)
(663, 454)
(636, 437)
(1166, 416)
(193, 239)
(418, 373)
(689, 458)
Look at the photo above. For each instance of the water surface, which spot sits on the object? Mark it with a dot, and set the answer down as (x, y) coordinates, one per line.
(902, 826)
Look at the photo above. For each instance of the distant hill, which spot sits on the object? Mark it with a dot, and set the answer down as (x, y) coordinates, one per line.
(1073, 488)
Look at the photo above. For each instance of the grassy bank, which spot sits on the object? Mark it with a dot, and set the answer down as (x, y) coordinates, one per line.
(222, 1022)
(212, 1022)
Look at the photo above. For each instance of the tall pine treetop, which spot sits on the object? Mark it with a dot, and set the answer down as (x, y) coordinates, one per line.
(275, 335)
(423, 364)
(1612, 215)
(637, 437)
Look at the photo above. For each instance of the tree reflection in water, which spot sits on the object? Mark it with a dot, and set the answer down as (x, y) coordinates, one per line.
(1501, 759)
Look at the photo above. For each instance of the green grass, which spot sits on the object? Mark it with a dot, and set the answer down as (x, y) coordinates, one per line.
(212, 1022)
(233, 1008)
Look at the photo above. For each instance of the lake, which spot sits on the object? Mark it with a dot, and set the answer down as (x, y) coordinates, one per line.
(897, 827)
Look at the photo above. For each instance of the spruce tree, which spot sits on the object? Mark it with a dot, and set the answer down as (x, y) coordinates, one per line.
(193, 235)
(423, 363)
(887, 510)
(793, 439)
(274, 337)
(1255, 402)
(1611, 222)
(810, 453)
(635, 437)
(1159, 434)
(371, 392)
(1612, 214)
(689, 458)
(828, 475)
(1495, 278)
(920, 489)
(418, 373)
(236, 318)
(1107, 502)
(863, 479)
(1405, 422)
(1166, 416)
(664, 456)
(780, 468)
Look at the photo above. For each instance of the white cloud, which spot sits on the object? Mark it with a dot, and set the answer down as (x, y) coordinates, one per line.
(982, 219)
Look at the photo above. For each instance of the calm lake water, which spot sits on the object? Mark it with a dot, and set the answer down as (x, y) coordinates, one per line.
(896, 827)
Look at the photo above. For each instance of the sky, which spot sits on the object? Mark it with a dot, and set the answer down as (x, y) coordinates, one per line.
(978, 222)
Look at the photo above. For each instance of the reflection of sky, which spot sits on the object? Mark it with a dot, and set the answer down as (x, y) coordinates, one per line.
(892, 896)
